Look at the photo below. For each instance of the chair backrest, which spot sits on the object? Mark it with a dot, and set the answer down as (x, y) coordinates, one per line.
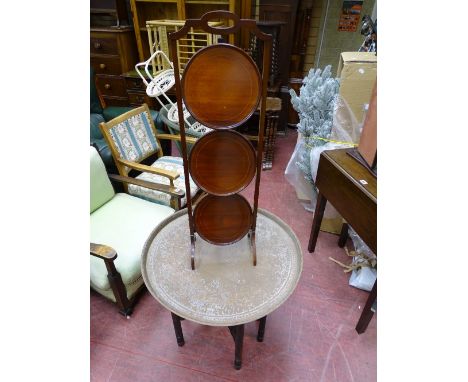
(101, 190)
(132, 136)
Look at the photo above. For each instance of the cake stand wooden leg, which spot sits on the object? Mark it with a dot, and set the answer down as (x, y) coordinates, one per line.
(178, 329)
(192, 252)
(253, 247)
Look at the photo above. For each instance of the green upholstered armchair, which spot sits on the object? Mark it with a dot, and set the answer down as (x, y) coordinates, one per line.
(119, 226)
(100, 114)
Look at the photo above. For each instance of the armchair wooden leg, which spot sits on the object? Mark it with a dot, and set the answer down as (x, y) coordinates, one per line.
(118, 288)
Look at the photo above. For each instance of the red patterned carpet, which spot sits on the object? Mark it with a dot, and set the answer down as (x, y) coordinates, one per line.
(311, 337)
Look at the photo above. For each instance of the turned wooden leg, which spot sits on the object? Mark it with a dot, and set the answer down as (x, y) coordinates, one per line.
(261, 329)
(178, 329)
(367, 312)
(118, 288)
(343, 235)
(318, 215)
(237, 333)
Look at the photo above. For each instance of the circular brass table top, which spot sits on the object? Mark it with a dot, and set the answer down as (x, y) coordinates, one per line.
(225, 289)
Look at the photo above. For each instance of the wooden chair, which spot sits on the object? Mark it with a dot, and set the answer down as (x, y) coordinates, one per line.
(120, 223)
(133, 138)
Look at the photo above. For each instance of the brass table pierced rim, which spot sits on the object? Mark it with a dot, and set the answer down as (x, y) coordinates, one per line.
(261, 311)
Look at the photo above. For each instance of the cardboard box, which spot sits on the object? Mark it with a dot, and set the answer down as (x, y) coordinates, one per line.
(357, 72)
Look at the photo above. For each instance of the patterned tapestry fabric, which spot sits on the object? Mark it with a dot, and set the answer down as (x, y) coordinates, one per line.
(165, 163)
(134, 138)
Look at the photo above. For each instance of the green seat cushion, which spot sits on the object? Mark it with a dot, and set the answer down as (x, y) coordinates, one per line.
(123, 223)
(101, 190)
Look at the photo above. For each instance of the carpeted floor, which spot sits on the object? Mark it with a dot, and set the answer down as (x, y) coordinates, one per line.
(311, 337)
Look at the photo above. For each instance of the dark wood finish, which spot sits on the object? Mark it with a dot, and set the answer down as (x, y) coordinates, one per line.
(136, 91)
(318, 216)
(221, 86)
(352, 190)
(113, 51)
(111, 86)
(237, 334)
(108, 254)
(223, 220)
(301, 32)
(234, 26)
(178, 329)
(261, 329)
(367, 312)
(222, 162)
(284, 11)
(343, 235)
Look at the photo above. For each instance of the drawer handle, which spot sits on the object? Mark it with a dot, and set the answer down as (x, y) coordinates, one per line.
(107, 86)
(97, 45)
(102, 66)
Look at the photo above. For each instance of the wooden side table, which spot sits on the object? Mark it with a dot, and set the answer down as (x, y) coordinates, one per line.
(224, 289)
(352, 190)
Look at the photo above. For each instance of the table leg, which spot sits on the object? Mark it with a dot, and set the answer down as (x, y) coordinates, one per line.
(343, 235)
(367, 312)
(261, 329)
(318, 215)
(237, 333)
(178, 329)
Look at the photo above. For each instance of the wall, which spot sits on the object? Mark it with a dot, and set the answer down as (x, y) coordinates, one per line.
(332, 41)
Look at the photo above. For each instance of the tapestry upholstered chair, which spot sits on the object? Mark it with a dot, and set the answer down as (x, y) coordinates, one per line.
(119, 226)
(132, 138)
(99, 114)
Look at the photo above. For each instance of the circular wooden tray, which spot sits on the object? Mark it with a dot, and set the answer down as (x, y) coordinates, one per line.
(221, 86)
(222, 162)
(223, 220)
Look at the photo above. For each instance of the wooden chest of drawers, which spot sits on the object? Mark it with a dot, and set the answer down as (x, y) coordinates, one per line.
(113, 52)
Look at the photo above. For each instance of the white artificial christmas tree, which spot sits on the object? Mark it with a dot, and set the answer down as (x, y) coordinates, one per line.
(315, 106)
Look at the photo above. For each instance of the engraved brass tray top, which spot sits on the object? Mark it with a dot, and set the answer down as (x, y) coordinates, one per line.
(225, 289)
(221, 86)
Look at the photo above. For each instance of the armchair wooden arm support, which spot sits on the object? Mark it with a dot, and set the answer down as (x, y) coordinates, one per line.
(102, 251)
(109, 254)
(171, 175)
(173, 191)
(190, 140)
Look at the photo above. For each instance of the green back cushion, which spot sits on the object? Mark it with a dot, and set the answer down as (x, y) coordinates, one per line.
(101, 190)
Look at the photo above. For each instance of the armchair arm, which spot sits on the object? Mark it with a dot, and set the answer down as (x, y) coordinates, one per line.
(190, 140)
(102, 251)
(171, 175)
(173, 191)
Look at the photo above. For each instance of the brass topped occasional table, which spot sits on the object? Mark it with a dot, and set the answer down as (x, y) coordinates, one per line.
(226, 290)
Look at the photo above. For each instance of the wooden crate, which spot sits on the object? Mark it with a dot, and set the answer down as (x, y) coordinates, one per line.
(158, 31)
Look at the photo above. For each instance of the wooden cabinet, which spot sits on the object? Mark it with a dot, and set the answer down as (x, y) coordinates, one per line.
(113, 52)
(144, 10)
